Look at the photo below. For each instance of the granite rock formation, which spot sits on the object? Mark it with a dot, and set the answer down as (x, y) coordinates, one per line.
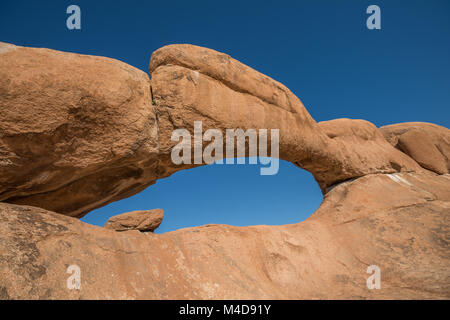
(78, 132)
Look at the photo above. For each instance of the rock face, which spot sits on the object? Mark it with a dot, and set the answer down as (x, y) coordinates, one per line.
(77, 132)
(427, 143)
(145, 221)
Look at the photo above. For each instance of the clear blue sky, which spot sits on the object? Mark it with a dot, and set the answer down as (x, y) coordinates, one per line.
(321, 50)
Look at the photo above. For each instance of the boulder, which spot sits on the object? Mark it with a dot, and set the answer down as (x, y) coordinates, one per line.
(191, 83)
(426, 143)
(78, 132)
(144, 221)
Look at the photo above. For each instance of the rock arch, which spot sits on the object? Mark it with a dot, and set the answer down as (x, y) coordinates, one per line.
(81, 131)
(77, 132)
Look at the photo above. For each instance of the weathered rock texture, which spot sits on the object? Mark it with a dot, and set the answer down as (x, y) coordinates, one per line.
(145, 221)
(427, 143)
(77, 132)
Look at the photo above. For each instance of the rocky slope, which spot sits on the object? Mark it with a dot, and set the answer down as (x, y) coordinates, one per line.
(77, 132)
(399, 223)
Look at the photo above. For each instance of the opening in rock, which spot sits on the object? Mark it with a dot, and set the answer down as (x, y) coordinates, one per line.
(224, 194)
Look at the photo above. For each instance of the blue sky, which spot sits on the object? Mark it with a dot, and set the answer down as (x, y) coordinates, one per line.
(321, 50)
